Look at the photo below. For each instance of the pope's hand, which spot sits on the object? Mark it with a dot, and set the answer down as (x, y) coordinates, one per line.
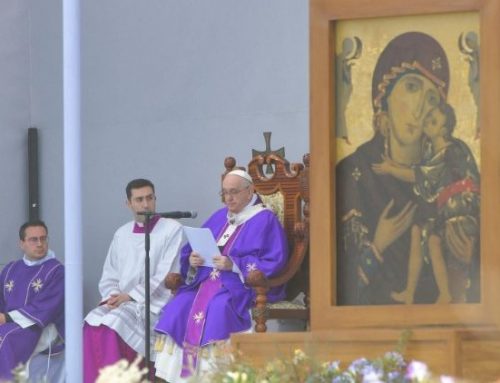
(195, 260)
(222, 262)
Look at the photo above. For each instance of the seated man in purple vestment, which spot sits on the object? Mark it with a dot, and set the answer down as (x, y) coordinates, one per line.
(31, 301)
(116, 328)
(214, 302)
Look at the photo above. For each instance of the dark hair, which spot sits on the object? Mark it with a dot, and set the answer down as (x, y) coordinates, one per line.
(32, 223)
(137, 184)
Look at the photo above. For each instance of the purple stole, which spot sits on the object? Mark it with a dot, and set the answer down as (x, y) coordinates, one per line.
(198, 313)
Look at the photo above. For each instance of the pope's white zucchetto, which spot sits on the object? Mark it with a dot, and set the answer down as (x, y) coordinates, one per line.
(242, 174)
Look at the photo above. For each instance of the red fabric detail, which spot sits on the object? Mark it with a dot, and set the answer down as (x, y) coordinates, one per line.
(457, 187)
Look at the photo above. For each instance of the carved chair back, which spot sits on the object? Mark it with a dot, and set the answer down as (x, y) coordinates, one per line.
(286, 192)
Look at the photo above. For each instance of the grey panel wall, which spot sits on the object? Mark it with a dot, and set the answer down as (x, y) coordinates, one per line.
(47, 112)
(30, 95)
(14, 123)
(169, 88)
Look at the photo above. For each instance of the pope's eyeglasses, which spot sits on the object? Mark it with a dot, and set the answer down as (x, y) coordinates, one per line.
(232, 192)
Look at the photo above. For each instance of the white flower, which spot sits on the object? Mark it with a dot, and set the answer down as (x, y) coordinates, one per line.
(233, 375)
(122, 372)
(417, 371)
(239, 377)
(20, 374)
(373, 377)
(298, 355)
(446, 379)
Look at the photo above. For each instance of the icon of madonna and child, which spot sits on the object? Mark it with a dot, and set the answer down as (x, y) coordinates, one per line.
(408, 199)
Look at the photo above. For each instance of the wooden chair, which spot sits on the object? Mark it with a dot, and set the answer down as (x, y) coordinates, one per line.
(286, 191)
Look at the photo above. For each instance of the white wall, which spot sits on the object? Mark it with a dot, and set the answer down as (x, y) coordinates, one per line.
(169, 88)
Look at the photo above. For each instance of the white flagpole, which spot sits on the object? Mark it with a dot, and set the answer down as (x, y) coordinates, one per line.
(72, 191)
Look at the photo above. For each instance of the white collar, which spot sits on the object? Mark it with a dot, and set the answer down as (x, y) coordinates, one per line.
(248, 212)
(29, 262)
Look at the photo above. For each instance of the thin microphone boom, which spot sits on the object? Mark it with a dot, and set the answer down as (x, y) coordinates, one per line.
(172, 214)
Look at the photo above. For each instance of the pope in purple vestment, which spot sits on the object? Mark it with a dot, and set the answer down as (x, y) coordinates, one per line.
(214, 301)
(31, 300)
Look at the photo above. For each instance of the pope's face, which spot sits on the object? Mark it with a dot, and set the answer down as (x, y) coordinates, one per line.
(142, 200)
(411, 99)
(237, 193)
(35, 243)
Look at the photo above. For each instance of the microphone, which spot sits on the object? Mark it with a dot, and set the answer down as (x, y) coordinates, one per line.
(172, 214)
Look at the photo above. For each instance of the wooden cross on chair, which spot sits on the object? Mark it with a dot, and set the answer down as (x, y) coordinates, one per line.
(280, 152)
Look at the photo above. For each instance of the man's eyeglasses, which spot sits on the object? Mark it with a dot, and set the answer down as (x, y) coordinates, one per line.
(34, 240)
(232, 192)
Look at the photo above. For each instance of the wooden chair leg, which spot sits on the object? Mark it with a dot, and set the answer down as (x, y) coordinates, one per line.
(260, 309)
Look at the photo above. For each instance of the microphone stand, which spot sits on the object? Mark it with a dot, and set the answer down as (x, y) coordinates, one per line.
(147, 287)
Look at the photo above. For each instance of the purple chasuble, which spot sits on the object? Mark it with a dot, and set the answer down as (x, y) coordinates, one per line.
(257, 244)
(37, 292)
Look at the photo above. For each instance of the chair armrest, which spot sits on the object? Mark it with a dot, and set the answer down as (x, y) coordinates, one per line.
(173, 281)
(297, 255)
(256, 278)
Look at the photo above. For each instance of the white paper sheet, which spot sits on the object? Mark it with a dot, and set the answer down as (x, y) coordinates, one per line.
(203, 242)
